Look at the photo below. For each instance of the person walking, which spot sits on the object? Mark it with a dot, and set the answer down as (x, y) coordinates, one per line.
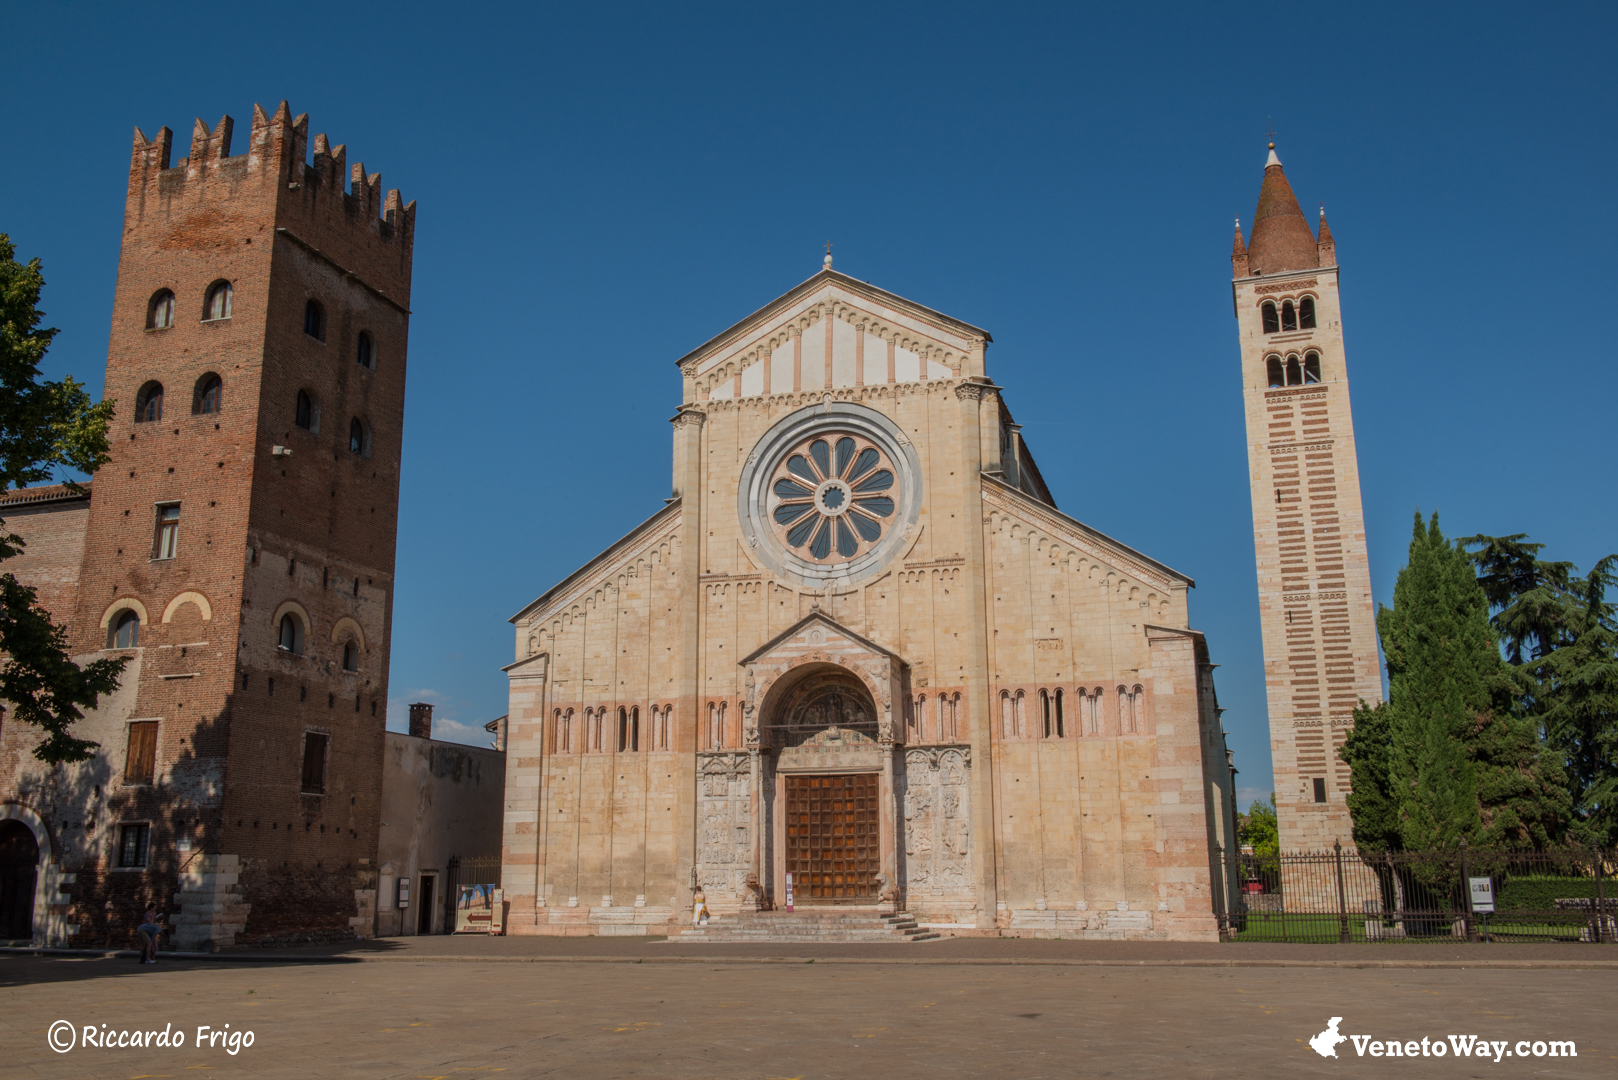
(150, 931)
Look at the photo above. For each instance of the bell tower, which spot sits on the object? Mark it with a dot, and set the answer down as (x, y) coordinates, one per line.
(1314, 584)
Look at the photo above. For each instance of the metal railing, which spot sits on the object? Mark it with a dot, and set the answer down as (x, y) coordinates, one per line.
(477, 870)
(1344, 895)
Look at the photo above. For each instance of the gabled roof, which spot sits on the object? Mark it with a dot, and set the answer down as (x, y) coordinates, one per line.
(826, 277)
(821, 617)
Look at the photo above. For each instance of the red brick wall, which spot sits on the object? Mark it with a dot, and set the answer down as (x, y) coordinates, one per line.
(51, 522)
(256, 529)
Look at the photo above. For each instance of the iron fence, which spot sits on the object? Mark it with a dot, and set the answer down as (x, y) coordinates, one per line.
(1344, 895)
(477, 870)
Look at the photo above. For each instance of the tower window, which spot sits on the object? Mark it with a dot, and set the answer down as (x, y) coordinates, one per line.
(1320, 789)
(1311, 367)
(125, 632)
(359, 437)
(1306, 313)
(160, 312)
(1294, 372)
(149, 403)
(208, 396)
(307, 414)
(217, 306)
(351, 657)
(166, 544)
(1060, 733)
(134, 842)
(314, 763)
(1272, 324)
(314, 320)
(365, 352)
(1289, 316)
(140, 762)
(291, 634)
(1277, 375)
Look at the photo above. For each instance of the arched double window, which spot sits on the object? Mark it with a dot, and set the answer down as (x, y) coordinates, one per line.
(208, 395)
(217, 304)
(949, 718)
(660, 726)
(628, 729)
(290, 634)
(1092, 711)
(918, 719)
(1306, 313)
(562, 736)
(717, 738)
(124, 633)
(160, 310)
(1294, 371)
(314, 320)
(149, 403)
(365, 352)
(359, 437)
(306, 414)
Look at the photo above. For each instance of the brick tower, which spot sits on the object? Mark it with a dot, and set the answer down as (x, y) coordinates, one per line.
(1314, 583)
(240, 543)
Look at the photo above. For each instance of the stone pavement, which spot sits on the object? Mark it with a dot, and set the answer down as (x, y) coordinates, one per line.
(735, 1016)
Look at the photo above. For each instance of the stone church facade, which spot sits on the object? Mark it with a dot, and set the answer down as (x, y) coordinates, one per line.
(861, 658)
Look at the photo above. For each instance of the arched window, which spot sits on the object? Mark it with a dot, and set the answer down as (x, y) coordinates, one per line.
(314, 320)
(359, 437)
(1005, 715)
(1019, 714)
(160, 311)
(208, 396)
(918, 719)
(125, 631)
(1137, 709)
(1306, 313)
(1294, 372)
(1311, 367)
(563, 741)
(623, 729)
(1123, 709)
(307, 413)
(1060, 734)
(1045, 716)
(365, 352)
(663, 726)
(291, 634)
(217, 305)
(719, 728)
(351, 656)
(1289, 316)
(1272, 325)
(149, 403)
(1093, 704)
(955, 718)
(1277, 375)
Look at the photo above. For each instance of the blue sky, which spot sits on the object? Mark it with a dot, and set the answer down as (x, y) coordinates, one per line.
(602, 187)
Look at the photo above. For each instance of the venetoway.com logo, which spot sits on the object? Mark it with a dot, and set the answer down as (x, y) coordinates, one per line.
(1325, 1044)
(64, 1036)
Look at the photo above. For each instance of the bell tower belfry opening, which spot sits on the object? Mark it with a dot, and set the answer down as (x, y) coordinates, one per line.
(1314, 583)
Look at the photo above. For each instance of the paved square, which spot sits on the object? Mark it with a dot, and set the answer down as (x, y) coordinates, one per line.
(735, 1018)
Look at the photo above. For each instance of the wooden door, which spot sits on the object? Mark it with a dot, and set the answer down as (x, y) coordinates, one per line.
(833, 851)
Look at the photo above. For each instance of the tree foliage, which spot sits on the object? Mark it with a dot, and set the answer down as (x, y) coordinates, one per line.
(1259, 828)
(1559, 631)
(1452, 754)
(44, 426)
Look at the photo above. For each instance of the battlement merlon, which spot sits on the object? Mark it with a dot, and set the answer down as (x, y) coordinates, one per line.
(345, 215)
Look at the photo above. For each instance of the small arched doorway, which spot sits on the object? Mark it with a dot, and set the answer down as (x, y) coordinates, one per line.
(19, 876)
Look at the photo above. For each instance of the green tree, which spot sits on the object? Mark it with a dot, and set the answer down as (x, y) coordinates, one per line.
(1372, 803)
(1559, 630)
(43, 426)
(1258, 827)
(1463, 758)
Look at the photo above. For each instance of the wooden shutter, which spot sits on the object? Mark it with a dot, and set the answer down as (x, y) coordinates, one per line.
(141, 761)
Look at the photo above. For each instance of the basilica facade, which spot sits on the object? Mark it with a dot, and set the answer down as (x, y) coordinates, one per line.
(860, 658)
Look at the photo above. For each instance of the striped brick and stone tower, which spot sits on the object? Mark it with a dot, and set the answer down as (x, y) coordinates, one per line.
(1314, 583)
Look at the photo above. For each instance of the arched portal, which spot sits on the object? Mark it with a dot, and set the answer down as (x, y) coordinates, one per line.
(831, 780)
(19, 878)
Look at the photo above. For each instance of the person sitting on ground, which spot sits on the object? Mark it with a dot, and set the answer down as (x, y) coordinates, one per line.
(150, 931)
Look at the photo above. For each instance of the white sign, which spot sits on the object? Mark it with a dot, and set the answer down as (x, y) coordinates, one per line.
(404, 892)
(1482, 894)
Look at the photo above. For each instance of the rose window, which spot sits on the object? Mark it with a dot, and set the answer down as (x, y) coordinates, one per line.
(831, 499)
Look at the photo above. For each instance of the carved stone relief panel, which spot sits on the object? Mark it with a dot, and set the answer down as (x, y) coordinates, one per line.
(724, 805)
(938, 817)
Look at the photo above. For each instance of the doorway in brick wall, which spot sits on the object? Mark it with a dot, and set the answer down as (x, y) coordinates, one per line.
(424, 903)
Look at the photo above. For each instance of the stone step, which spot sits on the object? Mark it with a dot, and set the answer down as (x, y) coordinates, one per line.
(824, 926)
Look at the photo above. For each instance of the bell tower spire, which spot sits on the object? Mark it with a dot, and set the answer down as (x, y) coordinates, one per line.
(1314, 586)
